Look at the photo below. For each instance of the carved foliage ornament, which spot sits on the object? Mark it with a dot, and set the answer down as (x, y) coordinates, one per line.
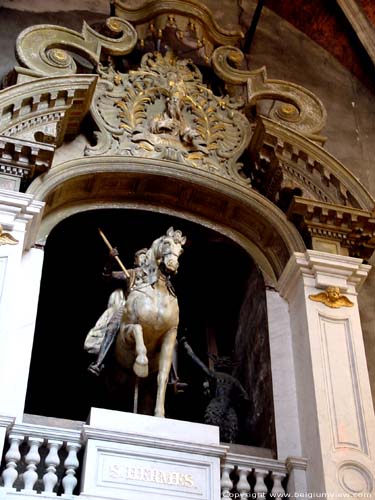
(332, 298)
(164, 111)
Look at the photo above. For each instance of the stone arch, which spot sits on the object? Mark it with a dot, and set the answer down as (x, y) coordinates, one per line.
(237, 211)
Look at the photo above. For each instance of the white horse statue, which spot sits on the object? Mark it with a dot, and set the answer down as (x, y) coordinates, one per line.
(148, 330)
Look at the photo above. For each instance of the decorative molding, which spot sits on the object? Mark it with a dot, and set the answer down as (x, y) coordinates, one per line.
(24, 159)
(347, 421)
(298, 108)
(355, 479)
(163, 110)
(44, 49)
(7, 238)
(361, 25)
(191, 20)
(320, 270)
(332, 298)
(46, 110)
(351, 228)
(22, 212)
(97, 181)
(286, 159)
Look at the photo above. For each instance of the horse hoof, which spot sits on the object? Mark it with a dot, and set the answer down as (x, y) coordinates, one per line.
(140, 368)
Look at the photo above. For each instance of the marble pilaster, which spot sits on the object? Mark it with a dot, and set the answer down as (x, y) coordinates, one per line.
(336, 417)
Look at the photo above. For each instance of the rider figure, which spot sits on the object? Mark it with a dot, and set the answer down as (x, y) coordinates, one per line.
(137, 276)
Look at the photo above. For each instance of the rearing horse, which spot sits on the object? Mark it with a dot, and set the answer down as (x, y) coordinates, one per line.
(149, 324)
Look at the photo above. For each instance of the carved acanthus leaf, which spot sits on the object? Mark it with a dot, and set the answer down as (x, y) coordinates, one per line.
(43, 48)
(298, 108)
(163, 110)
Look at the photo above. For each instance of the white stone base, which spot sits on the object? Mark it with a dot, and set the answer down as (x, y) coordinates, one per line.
(137, 456)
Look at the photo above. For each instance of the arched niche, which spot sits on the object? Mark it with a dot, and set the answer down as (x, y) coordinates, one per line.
(234, 210)
(240, 217)
(222, 312)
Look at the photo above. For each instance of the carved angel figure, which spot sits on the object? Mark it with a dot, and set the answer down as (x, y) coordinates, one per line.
(332, 298)
(7, 238)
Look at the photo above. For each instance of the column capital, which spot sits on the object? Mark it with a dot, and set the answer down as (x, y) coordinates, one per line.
(320, 270)
(20, 212)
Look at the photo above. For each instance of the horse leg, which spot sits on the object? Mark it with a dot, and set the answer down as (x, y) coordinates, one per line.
(140, 365)
(165, 363)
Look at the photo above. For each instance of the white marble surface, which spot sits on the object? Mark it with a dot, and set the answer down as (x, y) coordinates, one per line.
(144, 425)
(334, 399)
(288, 437)
(20, 276)
(133, 457)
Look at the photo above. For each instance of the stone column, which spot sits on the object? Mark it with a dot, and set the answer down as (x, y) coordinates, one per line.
(335, 411)
(20, 272)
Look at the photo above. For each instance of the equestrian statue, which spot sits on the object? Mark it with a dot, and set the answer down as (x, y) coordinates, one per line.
(142, 322)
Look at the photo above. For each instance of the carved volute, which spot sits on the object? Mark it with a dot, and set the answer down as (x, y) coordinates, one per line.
(158, 109)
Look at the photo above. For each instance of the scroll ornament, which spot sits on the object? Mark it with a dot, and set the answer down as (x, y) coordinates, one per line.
(164, 111)
(44, 48)
(332, 298)
(296, 107)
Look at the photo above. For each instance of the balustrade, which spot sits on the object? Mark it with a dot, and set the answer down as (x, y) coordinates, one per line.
(43, 459)
(252, 477)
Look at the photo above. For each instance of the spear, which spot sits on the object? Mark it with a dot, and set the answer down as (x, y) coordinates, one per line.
(123, 268)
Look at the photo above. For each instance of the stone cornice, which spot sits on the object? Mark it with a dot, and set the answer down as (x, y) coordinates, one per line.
(6, 422)
(320, 270)
(46, 109)
(351, 228)
(152, 442)
(300, 162)
(20, 211)
(24, 159)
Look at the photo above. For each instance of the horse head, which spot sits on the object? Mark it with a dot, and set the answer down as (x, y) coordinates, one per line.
(168, 249)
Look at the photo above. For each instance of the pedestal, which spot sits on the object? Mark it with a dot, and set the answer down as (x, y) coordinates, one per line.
(133, 457)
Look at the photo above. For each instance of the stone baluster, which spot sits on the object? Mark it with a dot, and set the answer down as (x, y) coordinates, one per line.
(32, 459)
(71, 464)
(243, 486)
(277, 489)
(260, 487)
(52, 461)
(226, 482)
(12, 458)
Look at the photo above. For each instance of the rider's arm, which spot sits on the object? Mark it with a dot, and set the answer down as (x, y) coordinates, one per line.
(108, 268)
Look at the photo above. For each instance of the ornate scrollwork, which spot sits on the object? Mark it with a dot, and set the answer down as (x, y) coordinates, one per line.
(191, 20)
(45, 48)
(163, 110)
(298, 108)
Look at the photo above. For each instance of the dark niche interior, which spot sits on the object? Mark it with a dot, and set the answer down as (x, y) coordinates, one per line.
(222, 317)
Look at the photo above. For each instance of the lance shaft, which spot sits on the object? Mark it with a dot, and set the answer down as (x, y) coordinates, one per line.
(123, 268)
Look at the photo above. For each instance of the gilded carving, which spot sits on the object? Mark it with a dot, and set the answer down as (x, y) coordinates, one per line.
(7, 238)
(44, 48)
(191, 20)
(332, 298)
(299, 108)
(163, 110)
